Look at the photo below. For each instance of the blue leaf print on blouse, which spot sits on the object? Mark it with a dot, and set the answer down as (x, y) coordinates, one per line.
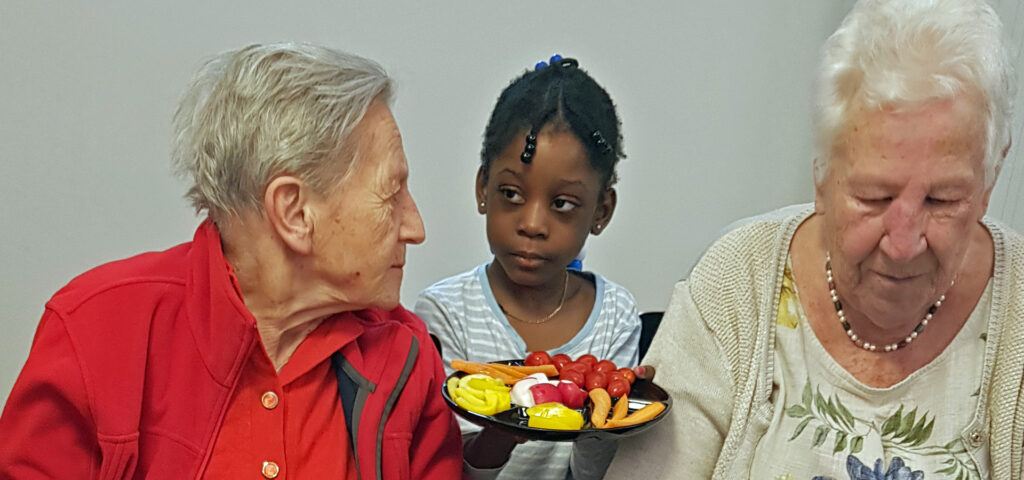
(897, 471)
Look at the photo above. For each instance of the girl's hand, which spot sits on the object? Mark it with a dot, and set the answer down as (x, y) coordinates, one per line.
(645, 372)
(490, 448)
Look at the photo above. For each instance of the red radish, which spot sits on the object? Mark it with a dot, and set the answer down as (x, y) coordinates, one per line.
(596, 380)
(544, 393)
(520, 393)
(572, 395)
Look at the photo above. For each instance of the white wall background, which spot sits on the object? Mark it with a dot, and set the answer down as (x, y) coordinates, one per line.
(714, 97)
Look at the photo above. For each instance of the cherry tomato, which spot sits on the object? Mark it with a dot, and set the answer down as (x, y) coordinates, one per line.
(618, 388)
(616, 374)
(588, 359)
(596, 379)
(605, 366)
(538, 358)
(577, 366)
(560, 360)
(574, 377)
(629, 374)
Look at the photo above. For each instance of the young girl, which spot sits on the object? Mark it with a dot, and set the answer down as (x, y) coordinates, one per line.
(545, 184)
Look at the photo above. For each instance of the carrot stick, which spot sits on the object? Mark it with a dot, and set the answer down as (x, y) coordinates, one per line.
(507, 370)
(508, 379)
(549, 370)
(621, 408)
(483, 368)
(602, 403)
(640, 416)
(468, 367)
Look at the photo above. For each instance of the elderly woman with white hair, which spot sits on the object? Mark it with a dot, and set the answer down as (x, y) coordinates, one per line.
(273, 343)
(877, 334)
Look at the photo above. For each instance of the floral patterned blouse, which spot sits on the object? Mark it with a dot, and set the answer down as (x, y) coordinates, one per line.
(829, 425)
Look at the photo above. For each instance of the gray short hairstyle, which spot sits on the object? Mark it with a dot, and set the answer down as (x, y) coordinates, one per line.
(255, 113)
(905, 52)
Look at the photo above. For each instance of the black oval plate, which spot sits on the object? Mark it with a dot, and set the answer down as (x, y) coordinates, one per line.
(515, 421)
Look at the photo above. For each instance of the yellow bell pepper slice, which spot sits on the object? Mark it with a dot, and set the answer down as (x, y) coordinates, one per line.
(480, 393)
(478, 382)
(469, 402)
(554, 416)
(451, 385)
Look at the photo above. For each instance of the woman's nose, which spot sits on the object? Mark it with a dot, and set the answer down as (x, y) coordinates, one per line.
(411, 229)
(904, 231)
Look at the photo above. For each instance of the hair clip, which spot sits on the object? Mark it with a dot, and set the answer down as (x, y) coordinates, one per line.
(600, 141)
(530, 148)
(554, 60)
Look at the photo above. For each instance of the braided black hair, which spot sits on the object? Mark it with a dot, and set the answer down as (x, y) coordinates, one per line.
(561, 94)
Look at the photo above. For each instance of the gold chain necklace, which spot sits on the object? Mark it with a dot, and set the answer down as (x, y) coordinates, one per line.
(561, 303)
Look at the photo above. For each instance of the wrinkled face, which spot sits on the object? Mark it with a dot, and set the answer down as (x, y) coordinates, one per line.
(903, 191)
(364, 225)
(539, 214)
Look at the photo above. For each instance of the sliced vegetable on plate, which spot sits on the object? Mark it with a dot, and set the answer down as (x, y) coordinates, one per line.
(549, 401)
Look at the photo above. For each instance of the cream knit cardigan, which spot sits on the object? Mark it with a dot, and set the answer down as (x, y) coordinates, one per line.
(715, 347)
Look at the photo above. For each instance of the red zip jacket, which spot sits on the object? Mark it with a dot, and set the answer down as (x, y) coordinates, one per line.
(134, 362)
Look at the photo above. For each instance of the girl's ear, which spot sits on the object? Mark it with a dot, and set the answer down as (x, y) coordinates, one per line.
(605, 209)
(481, 191)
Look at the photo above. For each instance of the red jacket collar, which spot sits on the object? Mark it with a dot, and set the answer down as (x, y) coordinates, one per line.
(223, 328)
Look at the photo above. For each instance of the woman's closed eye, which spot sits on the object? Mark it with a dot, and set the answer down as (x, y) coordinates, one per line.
(875, 201)
(940, 201)
(946, 206)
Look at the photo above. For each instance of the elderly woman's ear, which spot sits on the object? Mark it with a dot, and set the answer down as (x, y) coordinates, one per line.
(286, 205)
(995, 174)
(819, 204)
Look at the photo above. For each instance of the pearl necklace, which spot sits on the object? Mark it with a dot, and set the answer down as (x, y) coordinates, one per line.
(561, 303)
(860, 342)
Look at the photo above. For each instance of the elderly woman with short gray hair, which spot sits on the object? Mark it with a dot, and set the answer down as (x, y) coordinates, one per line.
(273, 343)
(876, 335)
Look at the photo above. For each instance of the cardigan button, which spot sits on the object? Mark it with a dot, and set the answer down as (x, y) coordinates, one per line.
(269, 400)
(975, 438)
(270, 470)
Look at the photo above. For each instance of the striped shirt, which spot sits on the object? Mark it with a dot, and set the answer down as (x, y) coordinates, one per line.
(462, 312)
